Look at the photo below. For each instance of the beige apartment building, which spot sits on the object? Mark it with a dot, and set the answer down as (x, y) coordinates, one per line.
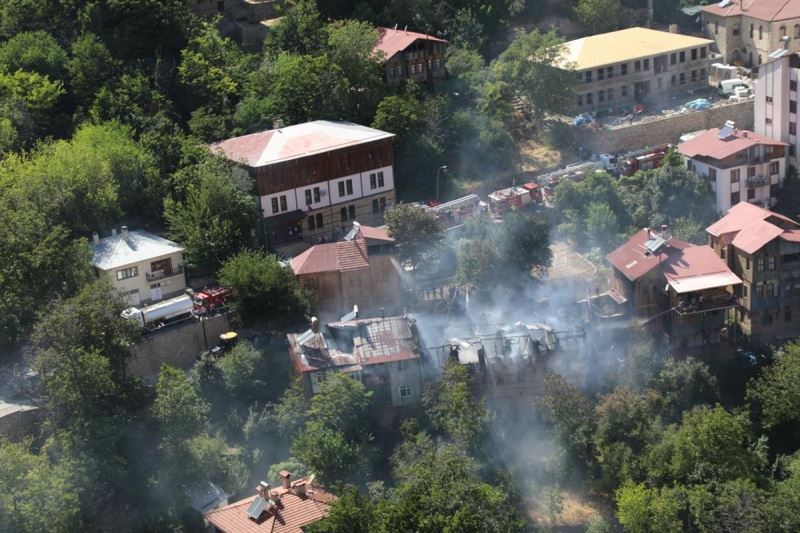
(635, 65)
(747, 31)
(145, 267)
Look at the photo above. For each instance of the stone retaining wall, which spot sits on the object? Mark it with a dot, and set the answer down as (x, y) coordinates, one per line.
(663, 130)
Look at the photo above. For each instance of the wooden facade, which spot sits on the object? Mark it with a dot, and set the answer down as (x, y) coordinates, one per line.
(318, 168)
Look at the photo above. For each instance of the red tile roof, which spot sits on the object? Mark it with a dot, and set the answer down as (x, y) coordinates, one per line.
(293, 142)
(376, 234)
(749, 227)
(767, 10)
(708, 144)
(392, 41)
(697, 268)
(292, 515)
(630, 258)
(343, 256)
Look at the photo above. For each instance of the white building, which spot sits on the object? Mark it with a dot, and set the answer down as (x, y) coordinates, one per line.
(741, 165)
(776, 100)
(146, 267)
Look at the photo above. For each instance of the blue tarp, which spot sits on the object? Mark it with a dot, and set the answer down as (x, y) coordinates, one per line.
(582, 119)
(698, 105)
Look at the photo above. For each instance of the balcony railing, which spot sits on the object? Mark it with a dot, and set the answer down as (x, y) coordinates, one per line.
(161, 274)
(756, 181)
(704, 305)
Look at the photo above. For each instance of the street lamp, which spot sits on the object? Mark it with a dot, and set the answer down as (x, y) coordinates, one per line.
(441, 168)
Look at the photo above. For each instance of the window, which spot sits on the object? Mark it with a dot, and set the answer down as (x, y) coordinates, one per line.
(744, 291)
(402, 364)
(623, 69)
(588, 76)
(797, 31)
(694, 75)
(735, 29)
(320, 221)
(624, 91)
(682, 78)
(734, 198)
(580, 100)
(308, 196)
(759, 291)
(274, 205)
(751, 193)
(610, 72)
(646, 65)
(380, 179)
(341, 188)
(767, 120)
(792, 106)
(760, 264)
(674, 79)
(774, 189)
(319, 377)
(589, 99)
(791, 150)
(769, 99)
(317, 195)
(783, 31)
(774, 167)
(382, 202)
(405, 391)
(712, 173)
(752, 27)
(437, 63)
(792, 85)
(126, 273)
(343, 214)
(412, 68)
(694, 54)
(312, 225)
(601, 96)
(610, 94)
(716, 27)
(735, 175)
(682, 57)
(373, 181)
(792, 128)
(787, 314)
(352, 211)
(637, 66)
(703, 52)
(703, 74)
(375, 206)
(751, 171)
(760, 33)
(601, 74)
(771, 262)
(770, 290)
(747, 263)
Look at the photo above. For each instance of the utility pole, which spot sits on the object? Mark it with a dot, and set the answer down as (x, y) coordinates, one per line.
(442, 168)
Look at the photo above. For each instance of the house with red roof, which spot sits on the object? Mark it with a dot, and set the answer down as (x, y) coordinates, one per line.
(746, 31)
(411, 55)
(679, 289)
(290, 508)
(356, 271)
(763, 249)
(742, 166)
(384, 353)
(313, 179)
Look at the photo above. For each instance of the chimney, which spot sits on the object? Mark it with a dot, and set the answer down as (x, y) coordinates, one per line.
(314, 324)
(263, 489)
(383, 312)
(277, 123)
(355, 310)
(95, 238)
(124, 232)
(299, 487)
(286, 479)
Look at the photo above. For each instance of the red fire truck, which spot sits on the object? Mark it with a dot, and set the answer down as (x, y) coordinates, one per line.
(208, 300)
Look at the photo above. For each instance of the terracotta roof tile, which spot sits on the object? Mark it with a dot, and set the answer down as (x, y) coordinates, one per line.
(376, 234)
(343, 256)
(391, 41)
(708, 144)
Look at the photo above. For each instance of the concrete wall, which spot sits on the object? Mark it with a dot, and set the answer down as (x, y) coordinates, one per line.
(176, 344)
(19, 421)
(663, 130)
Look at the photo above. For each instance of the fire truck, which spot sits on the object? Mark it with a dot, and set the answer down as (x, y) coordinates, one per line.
(208, 300)
(646, 159)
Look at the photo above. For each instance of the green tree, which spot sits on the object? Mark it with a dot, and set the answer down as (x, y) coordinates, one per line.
(477, 264)
(35, 51)
(526, 244)
(36, 495)
(599, 16)
(300, 30)
(350, 513)
(289, 414)
(528, 67)
(644, 510)
(682, 385)
(776, 391)
(263, 288)
(178, 408)
(244, 372)
(454, 411)
(39, 96)
(416, 232)
(342, 404)
(90, 68)
(566, 407)
(327, 453)
(601, 226)
(217, 217)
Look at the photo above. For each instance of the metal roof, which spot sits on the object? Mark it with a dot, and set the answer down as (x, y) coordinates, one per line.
(714, 145)
(392, 41)
(119, 251)
(766, 10)
(697, 268)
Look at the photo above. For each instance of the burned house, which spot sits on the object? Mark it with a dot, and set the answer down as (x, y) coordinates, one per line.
(674, 287)
(385, 354)
(290, 508)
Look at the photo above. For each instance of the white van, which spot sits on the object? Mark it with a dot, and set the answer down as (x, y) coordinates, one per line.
(728, 87)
